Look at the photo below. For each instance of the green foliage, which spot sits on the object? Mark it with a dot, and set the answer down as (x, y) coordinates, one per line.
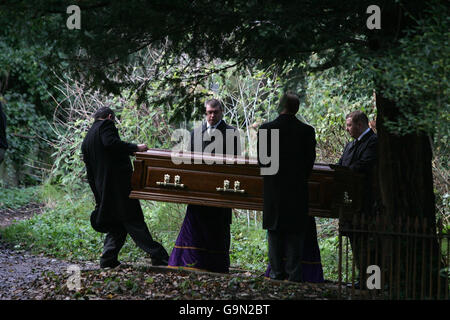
(415, 75)
(248, 246)
(164, 220)
(329, 257)
(27, 133)
(14, 198)
(26, 85)
(329, 96)
(136, 124)
(148, 125)
(250, 97)
(192, 45)
(62, 231)
(162, 87)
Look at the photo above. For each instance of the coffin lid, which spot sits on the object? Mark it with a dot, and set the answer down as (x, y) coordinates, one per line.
(225, 159)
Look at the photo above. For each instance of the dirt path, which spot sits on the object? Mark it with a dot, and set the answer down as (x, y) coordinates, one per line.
(25, 276)
(9, 215)
(19, 269)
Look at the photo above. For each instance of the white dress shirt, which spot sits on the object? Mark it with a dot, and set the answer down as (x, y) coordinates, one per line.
(362, 134)
(213, 127)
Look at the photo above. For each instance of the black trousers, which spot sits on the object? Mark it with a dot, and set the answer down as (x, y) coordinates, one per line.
(285, 255)
(140, 234)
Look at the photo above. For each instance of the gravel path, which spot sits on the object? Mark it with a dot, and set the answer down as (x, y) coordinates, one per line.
(19, 269)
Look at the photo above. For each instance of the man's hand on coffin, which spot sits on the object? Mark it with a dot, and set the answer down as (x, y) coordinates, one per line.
(142, 147)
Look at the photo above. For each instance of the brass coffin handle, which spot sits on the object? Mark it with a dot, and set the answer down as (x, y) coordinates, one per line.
(167, 183)
(226, 187)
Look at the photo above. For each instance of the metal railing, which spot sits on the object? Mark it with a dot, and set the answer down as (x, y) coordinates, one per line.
(381, 258)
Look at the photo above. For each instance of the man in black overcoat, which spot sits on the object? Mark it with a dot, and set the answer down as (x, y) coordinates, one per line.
(360, 155)
(285, 193)
(109, 172)
(3, 142)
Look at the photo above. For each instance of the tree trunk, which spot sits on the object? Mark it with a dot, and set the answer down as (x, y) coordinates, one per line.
(405, 192)
(405, 175)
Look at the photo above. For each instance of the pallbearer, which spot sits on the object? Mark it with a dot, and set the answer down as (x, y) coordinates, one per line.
(204, 239)
(108, 167)
(360, 155)
(312, 270)
(285, 212)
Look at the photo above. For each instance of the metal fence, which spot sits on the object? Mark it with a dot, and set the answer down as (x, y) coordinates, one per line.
(384, 259)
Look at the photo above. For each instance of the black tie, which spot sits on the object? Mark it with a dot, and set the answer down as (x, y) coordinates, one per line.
(353, 149)
(349, 154)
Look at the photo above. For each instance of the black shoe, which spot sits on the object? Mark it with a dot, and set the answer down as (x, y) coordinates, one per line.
(278, 276)
(109, 264)
(160, 262)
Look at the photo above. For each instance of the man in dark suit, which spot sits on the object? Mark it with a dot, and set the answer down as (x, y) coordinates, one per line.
(3, 142)
(285, 210)
(203, 138)
(204, 239)
(109, 173)
(360, 155)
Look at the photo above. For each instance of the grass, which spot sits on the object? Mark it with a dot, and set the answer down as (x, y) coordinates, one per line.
(248, 245)
(15, 198)
(64, 231)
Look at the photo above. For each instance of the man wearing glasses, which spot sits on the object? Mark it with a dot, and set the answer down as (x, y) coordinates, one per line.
(204, 239)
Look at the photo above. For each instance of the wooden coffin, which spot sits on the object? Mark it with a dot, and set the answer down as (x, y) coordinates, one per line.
(191, 178)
